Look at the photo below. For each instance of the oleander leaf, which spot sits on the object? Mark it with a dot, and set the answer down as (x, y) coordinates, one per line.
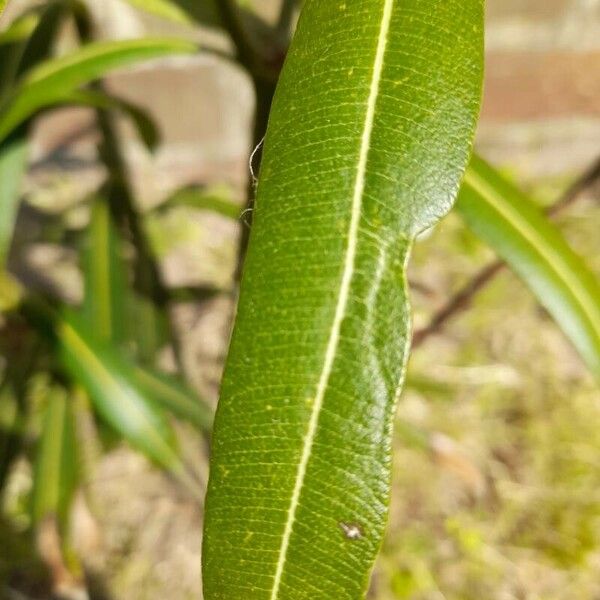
(142, 121)
(13, 149)
(368, 139)
(164, 9)
(13, 162)
(20, 29)
(175, 397)
(56, 466)
(109, 379)
(56, 79)
(534, 248)
(104, 275)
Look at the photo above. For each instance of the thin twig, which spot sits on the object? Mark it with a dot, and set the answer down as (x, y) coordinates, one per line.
(463, 298)
(263, 63)
(121, 201)
(251, 55)
(286, 17)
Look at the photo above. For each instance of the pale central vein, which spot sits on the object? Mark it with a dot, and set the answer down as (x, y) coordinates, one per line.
(344, 293)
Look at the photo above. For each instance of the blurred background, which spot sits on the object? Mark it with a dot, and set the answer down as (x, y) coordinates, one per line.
(497, 463)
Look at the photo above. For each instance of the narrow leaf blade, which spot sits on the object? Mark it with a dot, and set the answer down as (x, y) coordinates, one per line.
(104, 275)
(144, 124)
(164, 9)
(56, 471)
(111, 385)
(368, 138)
(534, 248)
(175, 397)
(212, 200)
(13, 162)
(57, 78)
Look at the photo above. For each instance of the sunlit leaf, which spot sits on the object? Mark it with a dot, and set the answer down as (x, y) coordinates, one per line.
(517, 230)
(211, 200)
(108, 377)
(110, 383)
(56, 468)
(104, 275)
(368, 139)
(13, 162)
(20, 29)
(164, 9)
(54, 80)
(175, 397)
(142, 121)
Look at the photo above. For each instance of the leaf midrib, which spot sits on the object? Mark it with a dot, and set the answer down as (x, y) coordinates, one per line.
(344, 292)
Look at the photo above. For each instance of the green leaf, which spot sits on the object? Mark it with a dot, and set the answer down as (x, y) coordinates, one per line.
(13, 163)
(164, 9)
(104, 275)
(2, 6)
(214, 200)
(533, 247)
(56, 79)
(368, 139)
(56, 470)
(175, 397)
(13, 150)
(20, 29)
(11, 428)
(109, 379)
(110, 382)
(39, 45)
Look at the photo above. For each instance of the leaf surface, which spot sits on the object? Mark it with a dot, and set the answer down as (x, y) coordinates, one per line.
(518, 231)
(368, 138)
(56, 79)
